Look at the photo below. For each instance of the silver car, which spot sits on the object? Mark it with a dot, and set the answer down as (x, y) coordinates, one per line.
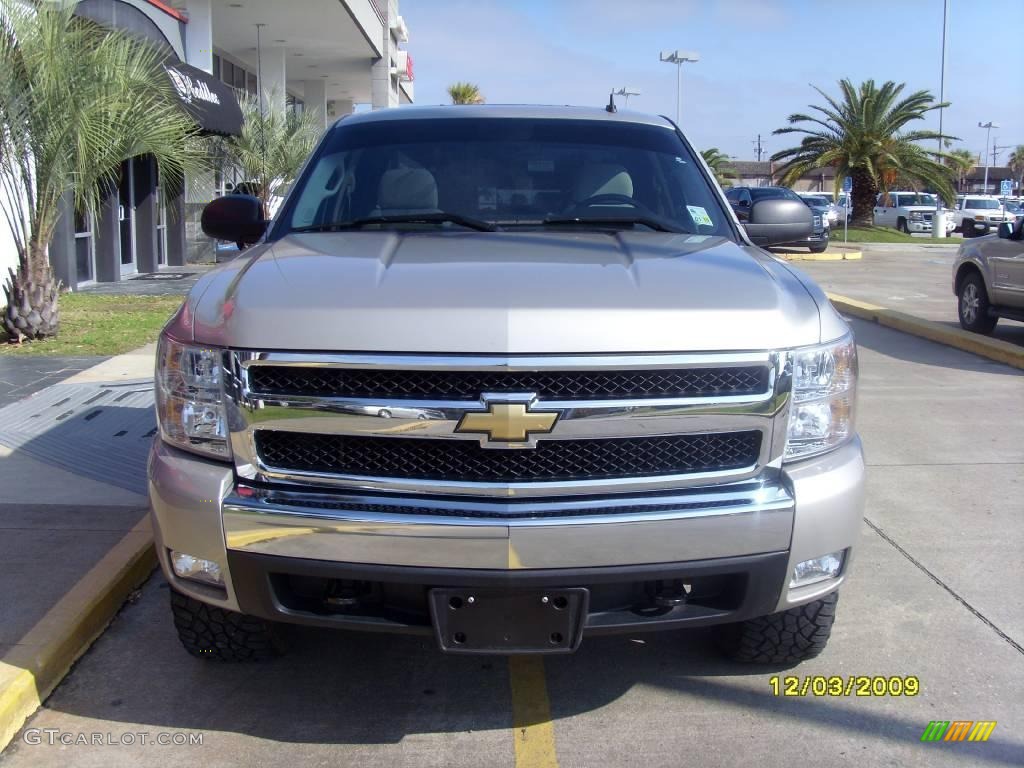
(506, 377)
(988, 278)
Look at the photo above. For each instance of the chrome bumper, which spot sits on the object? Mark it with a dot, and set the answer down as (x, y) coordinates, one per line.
(809, 509)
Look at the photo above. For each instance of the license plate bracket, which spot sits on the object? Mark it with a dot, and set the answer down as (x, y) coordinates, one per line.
(509, 622)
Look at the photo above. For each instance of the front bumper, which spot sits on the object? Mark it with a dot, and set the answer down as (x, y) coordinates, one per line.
(736, 543)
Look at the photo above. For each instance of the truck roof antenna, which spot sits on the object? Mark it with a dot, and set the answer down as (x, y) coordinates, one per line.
(611, 103)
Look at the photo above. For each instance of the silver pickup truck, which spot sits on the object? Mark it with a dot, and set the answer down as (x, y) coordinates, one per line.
(507, 377)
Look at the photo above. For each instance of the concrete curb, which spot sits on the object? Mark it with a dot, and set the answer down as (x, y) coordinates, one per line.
(824, 256)
(993, 349)
(39, 661)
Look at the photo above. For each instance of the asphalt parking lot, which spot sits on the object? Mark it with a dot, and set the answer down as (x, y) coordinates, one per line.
(937, 593)
(914, 279)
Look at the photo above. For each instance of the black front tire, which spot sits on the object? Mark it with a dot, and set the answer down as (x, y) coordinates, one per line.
(819, 247)
(901, 225)
(208, 632)
(972, 305)
(794, 635)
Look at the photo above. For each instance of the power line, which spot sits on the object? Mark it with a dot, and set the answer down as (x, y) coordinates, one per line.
(758, 148)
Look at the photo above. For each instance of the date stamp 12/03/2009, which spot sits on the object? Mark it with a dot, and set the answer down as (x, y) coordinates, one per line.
(845, 685)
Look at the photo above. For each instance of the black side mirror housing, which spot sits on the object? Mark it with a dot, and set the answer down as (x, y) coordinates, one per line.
(779, 221)
(236, 218)
(1006, 230)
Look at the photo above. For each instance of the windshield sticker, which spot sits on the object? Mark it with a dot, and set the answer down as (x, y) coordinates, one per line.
(700, 216)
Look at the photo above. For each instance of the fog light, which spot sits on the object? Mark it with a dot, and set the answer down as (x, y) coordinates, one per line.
(197, 569)
(817, 569)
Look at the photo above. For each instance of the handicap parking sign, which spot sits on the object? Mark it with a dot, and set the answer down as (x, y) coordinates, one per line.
(1005, 187)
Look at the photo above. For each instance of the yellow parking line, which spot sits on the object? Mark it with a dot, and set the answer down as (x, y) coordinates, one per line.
(531, 713)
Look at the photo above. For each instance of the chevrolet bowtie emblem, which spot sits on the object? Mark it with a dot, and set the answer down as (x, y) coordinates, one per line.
(508, 422)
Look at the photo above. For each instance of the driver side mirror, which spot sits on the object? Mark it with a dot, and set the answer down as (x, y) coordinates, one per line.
(779, 221)
(237, 218)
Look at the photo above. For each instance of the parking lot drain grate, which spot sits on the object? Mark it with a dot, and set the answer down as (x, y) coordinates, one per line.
(61, 426)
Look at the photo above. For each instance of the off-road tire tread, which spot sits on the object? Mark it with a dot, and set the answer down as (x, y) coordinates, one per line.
(208, 632)
(789, 636)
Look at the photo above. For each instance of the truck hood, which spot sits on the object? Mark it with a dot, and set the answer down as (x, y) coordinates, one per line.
(503, 292)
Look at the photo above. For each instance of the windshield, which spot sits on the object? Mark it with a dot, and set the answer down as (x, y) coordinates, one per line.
(811, 200)
(507, 173)
(981, 203)
(919, 199)
(772, 193)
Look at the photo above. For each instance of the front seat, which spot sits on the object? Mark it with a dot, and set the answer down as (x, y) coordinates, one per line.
(406, 190)
(603, 179)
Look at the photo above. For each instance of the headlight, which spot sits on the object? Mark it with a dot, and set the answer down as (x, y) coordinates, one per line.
(916, 215)
(190, 398)
(824, 397)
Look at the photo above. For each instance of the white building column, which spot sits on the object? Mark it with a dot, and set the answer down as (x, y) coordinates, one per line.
(199, 35)
(273, 89)
(314, 94)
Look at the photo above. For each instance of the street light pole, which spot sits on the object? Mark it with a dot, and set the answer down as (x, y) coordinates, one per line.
(939, 220)
(679, 58)
(988, 134)
(625, 93)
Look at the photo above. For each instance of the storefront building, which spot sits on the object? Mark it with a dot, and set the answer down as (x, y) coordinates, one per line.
(328, 56)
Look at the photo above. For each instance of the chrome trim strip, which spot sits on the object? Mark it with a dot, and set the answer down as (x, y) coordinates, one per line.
(731, 498)
(437, 419)
(504, 362)
(505, 490)
(754, 524)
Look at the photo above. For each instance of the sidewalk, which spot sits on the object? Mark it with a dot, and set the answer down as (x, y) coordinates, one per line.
(74, 538)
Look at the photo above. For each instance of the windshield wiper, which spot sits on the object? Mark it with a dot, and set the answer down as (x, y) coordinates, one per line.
(614, 221)
(403, 218)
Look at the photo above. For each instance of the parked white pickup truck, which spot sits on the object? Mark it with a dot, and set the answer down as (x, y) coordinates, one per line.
(908, 212)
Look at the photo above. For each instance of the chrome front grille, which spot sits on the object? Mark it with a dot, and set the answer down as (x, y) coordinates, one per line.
(552, 460)
(389, 423)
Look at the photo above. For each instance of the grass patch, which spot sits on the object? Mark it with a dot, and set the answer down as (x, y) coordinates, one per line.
(94, 324)
(874, 235)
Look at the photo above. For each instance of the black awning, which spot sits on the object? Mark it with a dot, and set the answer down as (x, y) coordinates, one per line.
(208, 101)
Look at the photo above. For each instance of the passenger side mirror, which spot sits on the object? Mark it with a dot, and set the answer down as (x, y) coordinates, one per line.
(237, 218)
(779, 221)
(1006, 230)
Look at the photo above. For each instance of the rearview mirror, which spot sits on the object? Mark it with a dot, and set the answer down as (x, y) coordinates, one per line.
(779, 221)
(237, 218)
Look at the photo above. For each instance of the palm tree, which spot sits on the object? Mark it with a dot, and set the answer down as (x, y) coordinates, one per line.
(274, 144)
(961, 161)
(76, 101)
(861, 136)
(465, 93)
(1016, 164)
(718, 162)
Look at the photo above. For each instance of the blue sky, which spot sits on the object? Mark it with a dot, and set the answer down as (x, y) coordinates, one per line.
(758, 58)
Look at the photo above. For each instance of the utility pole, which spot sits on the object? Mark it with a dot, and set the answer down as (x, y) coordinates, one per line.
(759, 148)
(996, 149)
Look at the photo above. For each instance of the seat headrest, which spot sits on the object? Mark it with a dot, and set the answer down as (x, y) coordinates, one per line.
(603, 179)
(407, 189)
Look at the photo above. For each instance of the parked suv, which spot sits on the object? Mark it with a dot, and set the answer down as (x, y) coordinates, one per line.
(978, 214)
(823, 202)
(908, 212)
(742, 199)
(507, 377)
(988, 279)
